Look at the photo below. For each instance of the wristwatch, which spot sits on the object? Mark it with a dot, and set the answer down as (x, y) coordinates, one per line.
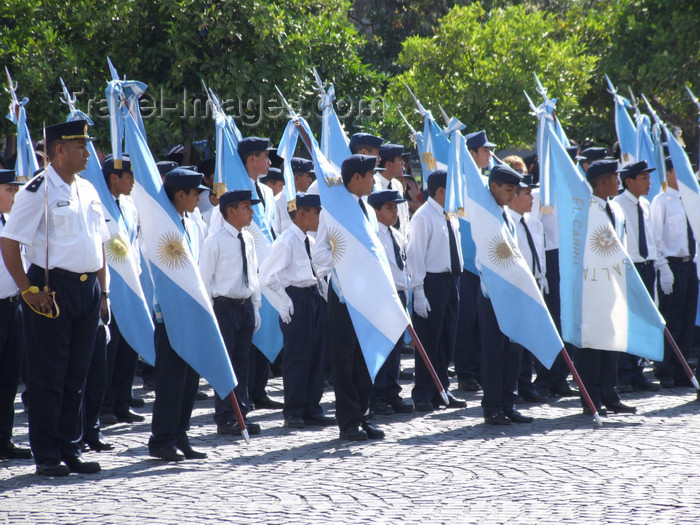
(105, 294)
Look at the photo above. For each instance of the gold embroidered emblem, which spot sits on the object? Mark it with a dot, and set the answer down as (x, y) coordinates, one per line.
(171, 251)
(501, 252)
(117, 248)
(603, 241)
(338, 244)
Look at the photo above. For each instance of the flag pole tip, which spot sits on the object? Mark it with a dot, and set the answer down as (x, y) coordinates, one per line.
(598, 422)
(246, 436)
(446, 399)
(695, 383)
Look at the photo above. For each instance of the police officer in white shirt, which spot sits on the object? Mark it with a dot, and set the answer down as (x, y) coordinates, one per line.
(385, 394)
(10, 334)
(59, 345)
(677, 276)
(642, 250)
(434, 258)
(391, 159)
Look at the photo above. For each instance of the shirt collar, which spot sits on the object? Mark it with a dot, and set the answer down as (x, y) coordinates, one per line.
(231, 229)
(515, 215)
(600, 201)
(297, 231)
(672, 192)
(382, 227)
(55, 179)
(631, 197)
(432, 202)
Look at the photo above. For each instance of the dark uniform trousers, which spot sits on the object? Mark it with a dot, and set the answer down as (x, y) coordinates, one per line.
(467, 354)
(236, 318)
(437, 332)
(630, 370)
(679, 308)
(59, 352)
(351, 381)
(120, 369)
(176, 387)
(304, 342)
(258, 374)
(500, 361)
(555, 377)
(10, 363)
(89, 427)
(598, 372)
(386, 383)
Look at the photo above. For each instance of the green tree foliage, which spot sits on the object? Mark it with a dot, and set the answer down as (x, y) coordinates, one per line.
(241, 48)
(478, 64)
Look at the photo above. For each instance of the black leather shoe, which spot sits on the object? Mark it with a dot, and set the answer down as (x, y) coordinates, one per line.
(372, 431)
(401, 406)
(267, 402)
(646, 386)
(201, 396)
(11, 451)
(137, 402)
(468, 385)
(667, 383)
(601, 411)
(129, 416)
(319, 420)
(405, 375)
(564, 391)
(383, 408)
(107, 418)
(517, 417)
(624, 389)
(533, 397)
(423, 406)
(294, 422)
(79, 466)
(98, 445)
(149, 385)
(191, 453)
(353, 434)
(165, 453)
(497, 418)
(231, 428)
(52, 469)
(454, 402)
(621, 408)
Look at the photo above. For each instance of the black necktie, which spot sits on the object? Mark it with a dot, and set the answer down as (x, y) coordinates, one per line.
(364, 210)
(454, 254)
(609, 211)
(691, 239)
(187, 234)
(245, 259)
(119, 207)
(2, 219)
(643, 248)
(397, 250)
(537, 269)
(308, 252)
(510, 227)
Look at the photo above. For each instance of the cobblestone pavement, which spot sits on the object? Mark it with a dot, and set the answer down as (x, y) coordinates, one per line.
(447, 466)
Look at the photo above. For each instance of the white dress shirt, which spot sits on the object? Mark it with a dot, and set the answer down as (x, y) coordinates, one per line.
(8, 287)
(400, 275)
(282, 218)
(429, 243)
(524, 245)
(288, 264)
(77, 226)
(221, 265)
(669, 224)
(382, 183)
(628, 203)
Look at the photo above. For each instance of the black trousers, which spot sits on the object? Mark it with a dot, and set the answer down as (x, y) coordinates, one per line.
(386, 383)
(176, 387)
(467, 351)
(237, 322)
(94, 390)
(500, 362)
(437, 332)
(258, 374)
(120, 369)
(598, 371)
(303, 354)
(630, 370)
(351, 382)
(59, 352)
(10, 363)
(679, 309)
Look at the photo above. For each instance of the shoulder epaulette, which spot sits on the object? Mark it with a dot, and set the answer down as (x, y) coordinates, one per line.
(34, 184)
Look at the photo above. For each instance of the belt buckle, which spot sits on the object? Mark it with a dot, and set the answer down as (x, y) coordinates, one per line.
(83, 277)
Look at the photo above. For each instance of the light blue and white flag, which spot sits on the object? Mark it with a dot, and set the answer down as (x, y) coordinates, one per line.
(626, 132)
(285, 149)
(509, 283)
(604, 304)
(187, 312)
(434, 149)
(687, 183)
(376, 311)
(548, 126)
(456, 190)
(127, 300)
(26, 164)
(647, 150)
(335, 144)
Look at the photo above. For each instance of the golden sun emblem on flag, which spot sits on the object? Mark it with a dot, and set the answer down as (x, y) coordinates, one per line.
(171, 251)
(337, 242)
(603, 241)
(117, 248)
(429, 161)
(501, 252)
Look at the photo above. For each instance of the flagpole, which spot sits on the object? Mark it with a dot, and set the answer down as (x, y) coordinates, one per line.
(581, 387)
(239, 416)
(681, 358)
(426, 360)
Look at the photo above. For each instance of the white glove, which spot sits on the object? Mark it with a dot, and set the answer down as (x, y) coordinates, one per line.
(665, 277)
(544, 285)
(323, 287)
(256, 312)
(286, 309)
(421, 306)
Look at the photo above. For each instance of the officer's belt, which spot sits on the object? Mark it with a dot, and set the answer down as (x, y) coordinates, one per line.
(82, 277)
(685, 259)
